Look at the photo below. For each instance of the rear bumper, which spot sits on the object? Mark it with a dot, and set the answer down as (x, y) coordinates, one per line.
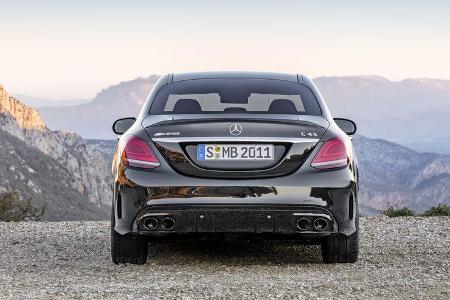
(166, 220)
(235, 209)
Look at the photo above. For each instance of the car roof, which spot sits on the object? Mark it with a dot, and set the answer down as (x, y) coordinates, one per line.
(233, 74)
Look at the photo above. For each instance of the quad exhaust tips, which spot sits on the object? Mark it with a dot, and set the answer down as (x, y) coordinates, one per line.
(151, 223)
(303, 222)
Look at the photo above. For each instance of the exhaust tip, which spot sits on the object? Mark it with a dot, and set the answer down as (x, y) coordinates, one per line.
(151, 223)
(168, 224)
(320, 224)
(303, 224)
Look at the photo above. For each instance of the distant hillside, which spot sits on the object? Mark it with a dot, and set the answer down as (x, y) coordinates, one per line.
(94, 119)
(52, 169)
(412, 112)
(106, 147)
(393, 174)
(44, 182)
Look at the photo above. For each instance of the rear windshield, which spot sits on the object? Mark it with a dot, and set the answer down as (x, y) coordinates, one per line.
(262, 96)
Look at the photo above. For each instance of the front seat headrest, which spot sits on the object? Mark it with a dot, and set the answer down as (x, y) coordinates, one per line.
(187, 106)
(282, 106)
(235, 109)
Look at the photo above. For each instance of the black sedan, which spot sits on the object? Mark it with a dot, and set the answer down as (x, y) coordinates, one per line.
(240, 154)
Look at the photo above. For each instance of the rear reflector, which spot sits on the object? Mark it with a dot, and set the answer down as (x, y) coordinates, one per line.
(137, 153)
(332, 154)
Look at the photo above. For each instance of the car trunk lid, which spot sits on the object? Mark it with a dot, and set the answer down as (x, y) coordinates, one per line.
(179, 140)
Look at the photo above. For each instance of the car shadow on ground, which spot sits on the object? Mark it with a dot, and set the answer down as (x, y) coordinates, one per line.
(232, 251)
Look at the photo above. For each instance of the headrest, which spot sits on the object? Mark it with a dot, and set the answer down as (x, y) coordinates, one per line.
(234, 110)
(282, 106)
(187, 106)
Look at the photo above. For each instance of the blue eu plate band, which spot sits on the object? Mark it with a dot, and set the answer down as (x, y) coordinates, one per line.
(201, 152)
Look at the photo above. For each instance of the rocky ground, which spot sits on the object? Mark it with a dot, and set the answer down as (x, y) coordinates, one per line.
(399, 258)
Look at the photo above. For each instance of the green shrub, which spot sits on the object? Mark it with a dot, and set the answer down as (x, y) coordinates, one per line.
(394, 211)
(440, 210)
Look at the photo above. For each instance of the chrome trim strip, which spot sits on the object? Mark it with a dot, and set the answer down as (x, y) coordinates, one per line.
(142, 162)
(154, 215)
(331, 162)
(313, 215)
(235, 139)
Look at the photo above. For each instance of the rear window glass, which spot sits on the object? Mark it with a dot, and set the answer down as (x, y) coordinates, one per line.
(262, 96)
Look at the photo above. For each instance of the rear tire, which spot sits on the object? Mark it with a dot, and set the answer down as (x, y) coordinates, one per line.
(127, 249)
(341, 248)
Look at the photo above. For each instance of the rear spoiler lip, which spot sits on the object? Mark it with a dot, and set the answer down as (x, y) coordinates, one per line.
(158, 120)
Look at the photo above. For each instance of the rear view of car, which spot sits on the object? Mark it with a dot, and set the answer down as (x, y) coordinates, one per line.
(253, 155)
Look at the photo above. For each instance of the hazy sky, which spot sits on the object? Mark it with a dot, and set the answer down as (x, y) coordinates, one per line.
(73, 49)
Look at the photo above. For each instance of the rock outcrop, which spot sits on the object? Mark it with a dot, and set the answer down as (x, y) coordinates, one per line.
(25, 116)
(86, 170)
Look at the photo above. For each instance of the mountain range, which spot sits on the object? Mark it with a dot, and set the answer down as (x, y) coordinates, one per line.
(412, 112)
(68, 176)
(391, 174)
(55, 172)
(94, 119)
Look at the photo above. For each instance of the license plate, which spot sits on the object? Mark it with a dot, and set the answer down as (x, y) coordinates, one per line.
(234, 152)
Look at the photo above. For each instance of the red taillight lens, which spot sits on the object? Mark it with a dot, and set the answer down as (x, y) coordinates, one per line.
(137, 153)
(332, 154)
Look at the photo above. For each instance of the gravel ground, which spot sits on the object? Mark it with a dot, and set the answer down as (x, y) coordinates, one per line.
(399, 258)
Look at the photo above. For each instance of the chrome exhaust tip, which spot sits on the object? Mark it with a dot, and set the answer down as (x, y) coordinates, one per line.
(303, 224)
(151, 223)
(168, 224)
(320, 224)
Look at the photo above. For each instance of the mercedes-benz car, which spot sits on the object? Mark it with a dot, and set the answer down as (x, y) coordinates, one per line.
(234, 154)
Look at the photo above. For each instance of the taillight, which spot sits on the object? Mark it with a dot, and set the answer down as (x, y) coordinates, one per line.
(332, 154)
(137, 153)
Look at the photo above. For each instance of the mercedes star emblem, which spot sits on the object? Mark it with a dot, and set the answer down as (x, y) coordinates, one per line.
(235, 129)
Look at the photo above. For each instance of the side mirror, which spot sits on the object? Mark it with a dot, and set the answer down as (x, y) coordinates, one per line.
(347, 126)
(122, 125)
